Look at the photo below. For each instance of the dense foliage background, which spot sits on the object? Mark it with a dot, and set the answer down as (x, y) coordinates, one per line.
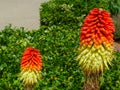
(68, 12)
(58, 41)
(72, 12)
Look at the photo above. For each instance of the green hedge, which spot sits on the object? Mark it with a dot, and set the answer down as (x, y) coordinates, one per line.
(72, 12)
(58, 41)
(58, 46)
(68, 12)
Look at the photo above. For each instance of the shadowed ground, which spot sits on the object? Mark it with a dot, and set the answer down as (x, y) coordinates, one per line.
(117, 25)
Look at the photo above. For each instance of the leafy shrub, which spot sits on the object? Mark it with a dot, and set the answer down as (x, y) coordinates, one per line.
(114, 6)
(57, 40)
(58, 46)
(72, 12)
(111, 78)
(68, 12)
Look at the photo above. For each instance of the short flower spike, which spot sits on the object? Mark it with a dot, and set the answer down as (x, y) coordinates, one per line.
(31, 66)
(96, 42)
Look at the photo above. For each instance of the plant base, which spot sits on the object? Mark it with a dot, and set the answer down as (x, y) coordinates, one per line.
(91, 83)
(29, 87)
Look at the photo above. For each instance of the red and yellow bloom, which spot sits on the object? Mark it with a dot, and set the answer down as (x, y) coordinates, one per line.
(31, 66)
(96, 42)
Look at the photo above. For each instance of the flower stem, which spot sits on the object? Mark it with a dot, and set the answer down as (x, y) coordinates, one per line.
(91, 83)
(28, 87)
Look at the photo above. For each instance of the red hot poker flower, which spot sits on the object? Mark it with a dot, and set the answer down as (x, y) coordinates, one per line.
(96, 41)
(96, 46)
(97, 28)
(31, 59)
(31, 65)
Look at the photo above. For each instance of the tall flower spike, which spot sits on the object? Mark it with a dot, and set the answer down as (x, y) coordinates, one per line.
(31, 66)
(96, 43)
